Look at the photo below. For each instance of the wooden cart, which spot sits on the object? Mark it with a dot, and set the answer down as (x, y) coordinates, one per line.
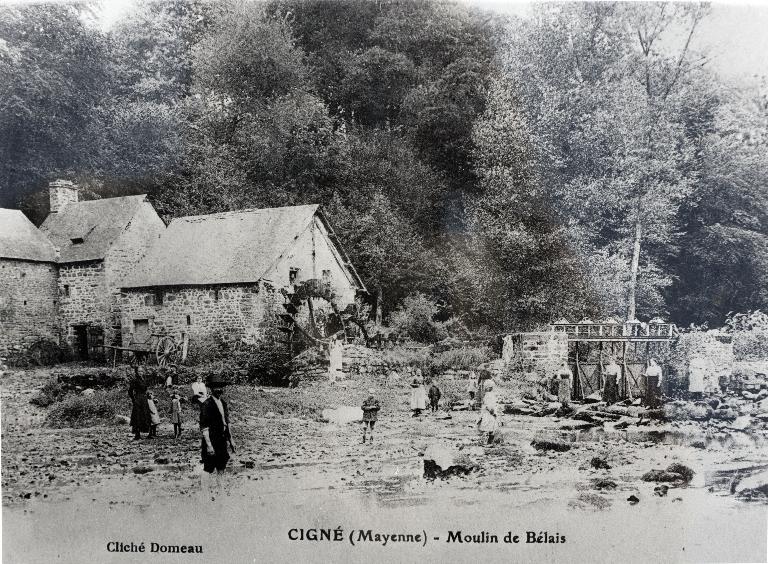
(166, 350)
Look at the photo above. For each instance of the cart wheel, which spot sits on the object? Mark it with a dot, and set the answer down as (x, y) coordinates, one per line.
(166, 351)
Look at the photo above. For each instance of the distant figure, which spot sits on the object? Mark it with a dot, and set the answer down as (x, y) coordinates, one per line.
(137, 391)
(612, 375)
(696, 377)
(434, 397)
(176, 415)
(154, 417)
(564, 384)
(393, 376)
(489, 411)
(168, 378)
(472, 389)
(370, 414)
(653, 377)
(418, 397)
(199, 391)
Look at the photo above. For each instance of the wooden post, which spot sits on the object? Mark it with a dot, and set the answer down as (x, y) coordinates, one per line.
(578, 371)
(600, 367)
(627, 385)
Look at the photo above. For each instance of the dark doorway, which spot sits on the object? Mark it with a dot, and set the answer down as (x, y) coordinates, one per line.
(80, 345)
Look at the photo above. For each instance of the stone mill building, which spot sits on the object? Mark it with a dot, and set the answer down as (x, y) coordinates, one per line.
(221, 274)
(109, 271)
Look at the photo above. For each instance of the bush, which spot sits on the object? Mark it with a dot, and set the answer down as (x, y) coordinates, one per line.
(464, 358)
(50, 393)
(750, 335)
(415, 318)
(86, 411)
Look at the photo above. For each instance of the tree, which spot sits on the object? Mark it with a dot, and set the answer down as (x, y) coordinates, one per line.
(529, 273)
(386, 250)
(606, 105)
(54, 73)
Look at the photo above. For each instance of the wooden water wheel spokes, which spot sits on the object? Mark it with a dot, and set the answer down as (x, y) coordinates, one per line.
(167, 351)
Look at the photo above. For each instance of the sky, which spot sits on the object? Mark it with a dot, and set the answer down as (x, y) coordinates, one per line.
(735, 34)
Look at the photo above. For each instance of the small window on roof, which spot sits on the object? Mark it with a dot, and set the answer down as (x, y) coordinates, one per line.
(77, 240)
(293, 275)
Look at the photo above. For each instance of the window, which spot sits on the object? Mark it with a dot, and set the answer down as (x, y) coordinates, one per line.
(66, 290)
(293, 275)
(23, 274)
(158, 297)
(326, 276)
(77, 240)
(25, 302)
(189, 320)
(216, 295)
(141, 332)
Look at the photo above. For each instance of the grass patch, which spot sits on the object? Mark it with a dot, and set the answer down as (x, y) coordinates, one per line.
(80, 410)
(50, 393)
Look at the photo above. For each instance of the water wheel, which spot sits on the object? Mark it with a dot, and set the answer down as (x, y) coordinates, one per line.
(311, 316)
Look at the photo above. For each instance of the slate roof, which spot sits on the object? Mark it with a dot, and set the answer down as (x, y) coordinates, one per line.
(20, 239)
(221, 248)
(97, 222)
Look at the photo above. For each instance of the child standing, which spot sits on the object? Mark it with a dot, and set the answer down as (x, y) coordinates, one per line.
(176, 414)
(154, 417)
(370, 414)
(434, 397)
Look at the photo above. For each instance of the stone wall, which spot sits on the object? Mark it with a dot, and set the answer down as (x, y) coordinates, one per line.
(28, 304)
(142, 231)
(229, 312)
(544, 346)
(83, 298)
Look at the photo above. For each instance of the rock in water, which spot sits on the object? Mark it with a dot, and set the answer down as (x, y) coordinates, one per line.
(550, 445)
(758, 482)
(741, 423)
(599, 463)
(441, 462)
(662, 476)
(681, 469)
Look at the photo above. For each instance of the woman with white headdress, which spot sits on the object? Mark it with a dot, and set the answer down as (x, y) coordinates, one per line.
(489, 411)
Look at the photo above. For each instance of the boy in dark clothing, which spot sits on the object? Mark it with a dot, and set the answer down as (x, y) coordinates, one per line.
(370, 414)
(434, 397)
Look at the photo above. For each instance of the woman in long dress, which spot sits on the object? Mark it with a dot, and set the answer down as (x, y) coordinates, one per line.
(696, 377)
(652, 384)
(611, 374)
(140, 418)
(418, 397)
(489, 411)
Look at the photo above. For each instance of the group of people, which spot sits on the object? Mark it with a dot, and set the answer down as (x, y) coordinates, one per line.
(614, 381)
(145, 416)
(422, 399)
(216, 438)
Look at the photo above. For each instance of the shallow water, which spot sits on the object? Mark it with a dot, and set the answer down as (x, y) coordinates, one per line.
(252, 523)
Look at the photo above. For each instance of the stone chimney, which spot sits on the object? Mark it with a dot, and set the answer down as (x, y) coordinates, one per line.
(62, 193)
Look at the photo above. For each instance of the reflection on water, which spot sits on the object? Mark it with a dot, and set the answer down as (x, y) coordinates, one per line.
(726, 441)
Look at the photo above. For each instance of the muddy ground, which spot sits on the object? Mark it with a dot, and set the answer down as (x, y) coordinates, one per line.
(79, 489)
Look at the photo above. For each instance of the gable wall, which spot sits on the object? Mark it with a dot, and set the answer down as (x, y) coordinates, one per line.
(28, 304)
(312, 264)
